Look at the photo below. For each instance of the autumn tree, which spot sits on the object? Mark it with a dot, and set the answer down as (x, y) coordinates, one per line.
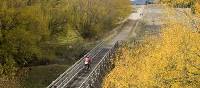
(170, 60)
(34, 32)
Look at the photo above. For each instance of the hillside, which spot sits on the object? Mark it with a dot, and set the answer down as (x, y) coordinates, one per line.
(165, 53)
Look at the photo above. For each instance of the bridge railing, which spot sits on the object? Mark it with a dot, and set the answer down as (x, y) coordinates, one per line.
(70, 73)
(97, 74)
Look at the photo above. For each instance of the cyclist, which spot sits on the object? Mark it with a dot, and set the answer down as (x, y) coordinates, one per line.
(87, 62)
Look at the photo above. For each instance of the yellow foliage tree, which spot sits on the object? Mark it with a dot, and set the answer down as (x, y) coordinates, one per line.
(197, 8)
(170, 61)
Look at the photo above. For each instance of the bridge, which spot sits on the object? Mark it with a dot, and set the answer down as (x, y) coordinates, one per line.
(77, 77)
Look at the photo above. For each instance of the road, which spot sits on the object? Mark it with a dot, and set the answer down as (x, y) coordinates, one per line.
(129, 26)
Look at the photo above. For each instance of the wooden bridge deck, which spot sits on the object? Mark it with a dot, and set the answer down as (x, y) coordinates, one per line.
(82, 75)
(77, 77)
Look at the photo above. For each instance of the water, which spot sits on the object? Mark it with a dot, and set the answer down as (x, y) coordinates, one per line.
(139, 1)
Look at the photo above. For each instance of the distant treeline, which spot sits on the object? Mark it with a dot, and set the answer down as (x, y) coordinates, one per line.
(31, 29)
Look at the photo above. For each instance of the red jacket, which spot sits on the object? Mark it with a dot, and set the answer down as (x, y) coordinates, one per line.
(87, 60)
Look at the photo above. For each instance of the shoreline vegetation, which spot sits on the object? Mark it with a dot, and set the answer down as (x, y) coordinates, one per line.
(42, 38)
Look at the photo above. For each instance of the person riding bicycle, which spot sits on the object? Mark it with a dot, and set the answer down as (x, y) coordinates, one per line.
(87, 62)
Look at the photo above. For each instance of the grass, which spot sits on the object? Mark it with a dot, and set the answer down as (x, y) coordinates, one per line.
(42, 76)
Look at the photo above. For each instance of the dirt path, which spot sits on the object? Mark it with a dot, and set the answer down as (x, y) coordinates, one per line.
(128, 28)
